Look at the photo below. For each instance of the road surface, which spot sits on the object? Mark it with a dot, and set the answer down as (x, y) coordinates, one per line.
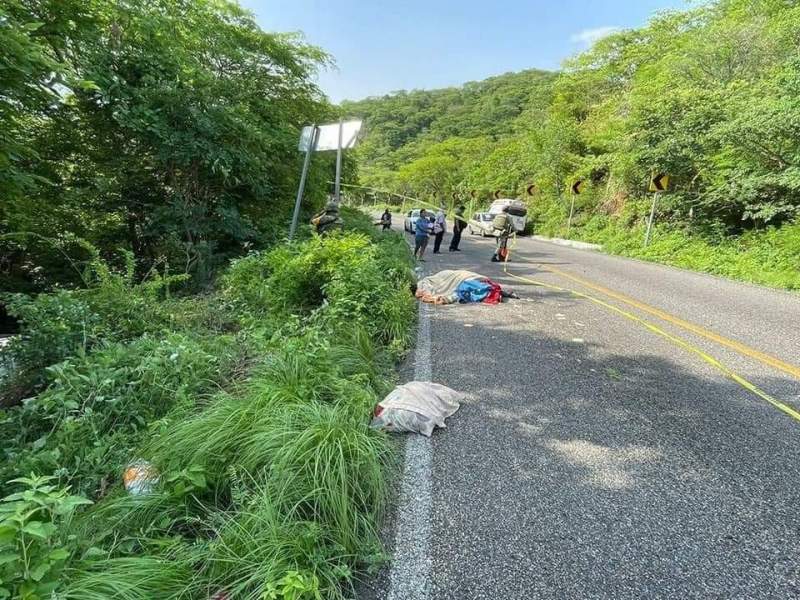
(595, 457)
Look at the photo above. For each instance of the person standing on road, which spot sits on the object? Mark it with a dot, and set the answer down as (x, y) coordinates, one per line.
(439, 229)
(503, 227)
(422, 229)
(386, 219)
(459, 224)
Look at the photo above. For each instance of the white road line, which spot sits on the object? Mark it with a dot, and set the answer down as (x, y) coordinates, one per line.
(410, 578)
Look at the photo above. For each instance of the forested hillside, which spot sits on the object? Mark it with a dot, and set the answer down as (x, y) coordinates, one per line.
(709, 95)
(415, 140)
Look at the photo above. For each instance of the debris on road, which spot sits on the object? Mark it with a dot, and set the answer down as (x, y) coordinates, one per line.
(417, 406)
(450, 287)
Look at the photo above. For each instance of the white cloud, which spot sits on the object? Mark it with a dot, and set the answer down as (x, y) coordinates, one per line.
(590, 36)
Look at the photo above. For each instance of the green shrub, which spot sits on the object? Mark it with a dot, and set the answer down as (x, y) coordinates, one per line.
(114, 308)
(133, 578)
(342, 281)
(767, 256)
(33, 548)
(88, 423)
(260, 551)
(269, 487)
(128, 309)
(324, 460)
(52, 327)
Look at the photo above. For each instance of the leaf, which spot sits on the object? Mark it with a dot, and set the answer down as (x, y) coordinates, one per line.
(88, 85)
(70, 503)
(39, 571)
(7, 533)
(7, 557)
(39, 530)
(59, 554)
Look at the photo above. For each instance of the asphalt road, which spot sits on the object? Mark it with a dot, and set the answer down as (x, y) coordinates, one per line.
(597, 459)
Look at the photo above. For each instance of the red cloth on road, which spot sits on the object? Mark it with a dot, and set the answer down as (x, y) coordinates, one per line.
(496, 295)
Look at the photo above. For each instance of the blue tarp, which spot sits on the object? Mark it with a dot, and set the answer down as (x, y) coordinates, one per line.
(473, 290)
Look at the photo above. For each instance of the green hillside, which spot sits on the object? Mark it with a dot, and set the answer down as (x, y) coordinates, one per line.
(708, 95)
(405, 127)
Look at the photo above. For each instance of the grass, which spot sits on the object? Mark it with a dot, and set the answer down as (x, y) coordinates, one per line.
(270, 482)
(769, 257)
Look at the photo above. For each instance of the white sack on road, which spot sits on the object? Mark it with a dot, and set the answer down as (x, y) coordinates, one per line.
(417, 406)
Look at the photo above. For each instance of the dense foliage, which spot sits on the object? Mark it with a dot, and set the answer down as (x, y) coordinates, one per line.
(167, 128)
(435, 142)
(251, 405)
(708, 95)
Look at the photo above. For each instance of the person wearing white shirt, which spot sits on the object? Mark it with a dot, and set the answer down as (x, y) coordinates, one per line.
(439, 229)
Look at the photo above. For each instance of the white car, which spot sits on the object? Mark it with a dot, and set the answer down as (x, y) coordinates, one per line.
(516, 210)
(410, 221)
(481, 224)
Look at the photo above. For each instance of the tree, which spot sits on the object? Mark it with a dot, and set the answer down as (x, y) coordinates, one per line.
(175, 133)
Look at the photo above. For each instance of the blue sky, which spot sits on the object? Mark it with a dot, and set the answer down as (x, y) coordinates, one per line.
(381, 46)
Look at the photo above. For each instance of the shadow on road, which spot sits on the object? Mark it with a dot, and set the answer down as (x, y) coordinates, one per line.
(574, 473)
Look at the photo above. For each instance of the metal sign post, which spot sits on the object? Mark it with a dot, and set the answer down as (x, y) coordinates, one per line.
(337, 189)
(301, 189)
(577, 187)
(659, 182)
(650, 220)
(319, 138)
(571, 212)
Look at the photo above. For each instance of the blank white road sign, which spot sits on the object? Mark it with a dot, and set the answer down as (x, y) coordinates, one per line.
(328, 136)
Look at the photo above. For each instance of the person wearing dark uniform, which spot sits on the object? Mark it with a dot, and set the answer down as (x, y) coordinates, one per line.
(386, 220)
(503, 227)
(459, 225)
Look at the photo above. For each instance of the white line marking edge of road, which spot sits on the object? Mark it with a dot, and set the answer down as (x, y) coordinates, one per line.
(410, 577)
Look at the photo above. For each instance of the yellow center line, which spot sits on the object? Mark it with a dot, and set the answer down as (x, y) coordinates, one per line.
(739, 347)
(674, 339)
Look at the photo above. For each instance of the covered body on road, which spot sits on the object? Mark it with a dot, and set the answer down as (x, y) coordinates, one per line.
(450, 287)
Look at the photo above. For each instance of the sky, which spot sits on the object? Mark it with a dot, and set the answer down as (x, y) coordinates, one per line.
(382, 46)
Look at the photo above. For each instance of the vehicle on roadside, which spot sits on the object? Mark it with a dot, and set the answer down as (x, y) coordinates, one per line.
(481, 224)
(411, 219)
(516, 209)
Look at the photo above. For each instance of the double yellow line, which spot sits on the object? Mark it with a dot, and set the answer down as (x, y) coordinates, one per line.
(682, 343)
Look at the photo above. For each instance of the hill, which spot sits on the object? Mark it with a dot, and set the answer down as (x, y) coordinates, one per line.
(429, 126)
(707, 95)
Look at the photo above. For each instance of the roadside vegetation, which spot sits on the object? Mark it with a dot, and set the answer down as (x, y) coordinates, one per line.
(165, 128)
(707, 95)
(165, 328)
(247, 409)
